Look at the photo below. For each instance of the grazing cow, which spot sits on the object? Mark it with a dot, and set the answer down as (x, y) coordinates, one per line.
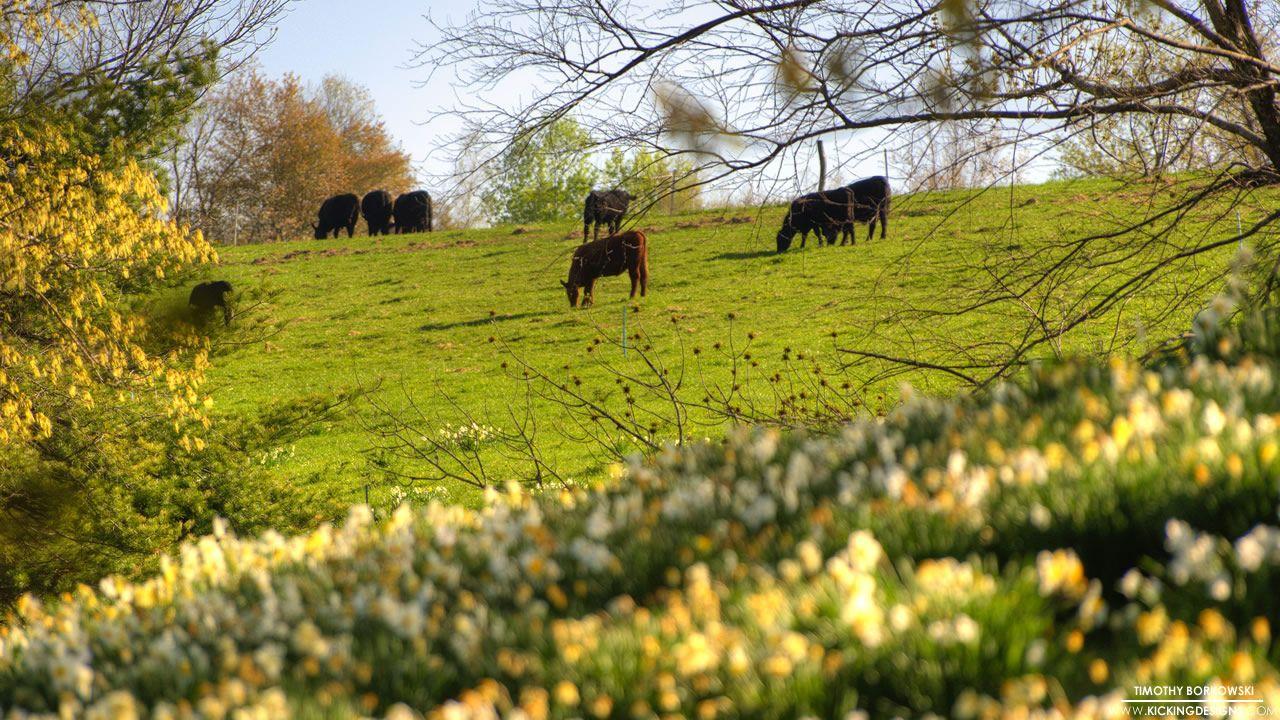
(614, 255)
(413, 212)
(605, 206)
(376, 207)
(208, 295)
(339, 211)
(868, 203)
(834, 212)
(822, 213)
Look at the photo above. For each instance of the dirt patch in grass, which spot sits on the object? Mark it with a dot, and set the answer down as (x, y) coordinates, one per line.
(704, 222)
(306, 254)
(426, 245)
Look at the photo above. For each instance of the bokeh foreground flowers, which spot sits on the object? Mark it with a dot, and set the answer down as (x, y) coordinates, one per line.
(1036, 552)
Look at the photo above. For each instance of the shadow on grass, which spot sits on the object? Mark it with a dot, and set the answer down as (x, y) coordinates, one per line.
(743, 255)
(429, 327)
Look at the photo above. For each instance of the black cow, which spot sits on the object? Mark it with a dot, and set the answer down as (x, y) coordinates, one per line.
(413, 212)
(834, 212)
(208, 295)
(605, 206)
(870, 202)
(339, 211)
(376, 207)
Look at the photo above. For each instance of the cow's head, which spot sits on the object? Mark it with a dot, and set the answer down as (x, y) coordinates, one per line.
(784, 238)
(318, 235)
(571, 291)
(786, 233)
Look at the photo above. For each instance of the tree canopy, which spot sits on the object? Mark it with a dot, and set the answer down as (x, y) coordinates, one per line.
(544, 175)
(261, 155)
(103, 411)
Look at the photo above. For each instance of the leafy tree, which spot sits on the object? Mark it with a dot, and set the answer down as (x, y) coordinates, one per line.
(108, 450)
(668, 183)
(262, 155)
(543, 176)
(372, 158)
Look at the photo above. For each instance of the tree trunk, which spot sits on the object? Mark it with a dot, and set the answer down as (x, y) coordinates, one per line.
(822, 168)
(1231, 20)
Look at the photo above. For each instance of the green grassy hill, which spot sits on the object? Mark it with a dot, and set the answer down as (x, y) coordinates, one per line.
(431, 319)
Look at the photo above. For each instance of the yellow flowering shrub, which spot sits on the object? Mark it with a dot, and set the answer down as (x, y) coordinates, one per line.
(90, 388)
(75, 236)
(105, 459)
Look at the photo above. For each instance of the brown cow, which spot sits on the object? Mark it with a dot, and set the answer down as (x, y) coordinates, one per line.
(627, 252)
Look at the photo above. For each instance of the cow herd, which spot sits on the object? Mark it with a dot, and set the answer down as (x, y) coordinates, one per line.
(827, 214)
(409, 213)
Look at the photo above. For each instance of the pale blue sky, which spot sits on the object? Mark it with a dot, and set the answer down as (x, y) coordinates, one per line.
(371, 43)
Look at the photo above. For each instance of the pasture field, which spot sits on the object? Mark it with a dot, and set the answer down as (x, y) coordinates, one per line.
(439, 322)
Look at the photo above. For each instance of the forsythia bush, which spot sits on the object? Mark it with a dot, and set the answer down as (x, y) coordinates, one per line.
(89, 386)
(73, 237)
(1037, 552)
(106, 457)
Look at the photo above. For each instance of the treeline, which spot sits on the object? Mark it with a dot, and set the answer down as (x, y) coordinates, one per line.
(258, 155)
(547, 172)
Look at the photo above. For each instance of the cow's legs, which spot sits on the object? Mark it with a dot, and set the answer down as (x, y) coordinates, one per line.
(586, 224)
(226, 314)
(884, 222)
(589, 293)
(635, 281)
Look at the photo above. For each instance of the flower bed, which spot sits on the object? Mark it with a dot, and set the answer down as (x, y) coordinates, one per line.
(1050, 547)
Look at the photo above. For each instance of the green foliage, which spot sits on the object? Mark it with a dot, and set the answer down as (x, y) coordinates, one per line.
(74, 515)
(543, 176)
(108, 452)
(130, 118)
(649, 176)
